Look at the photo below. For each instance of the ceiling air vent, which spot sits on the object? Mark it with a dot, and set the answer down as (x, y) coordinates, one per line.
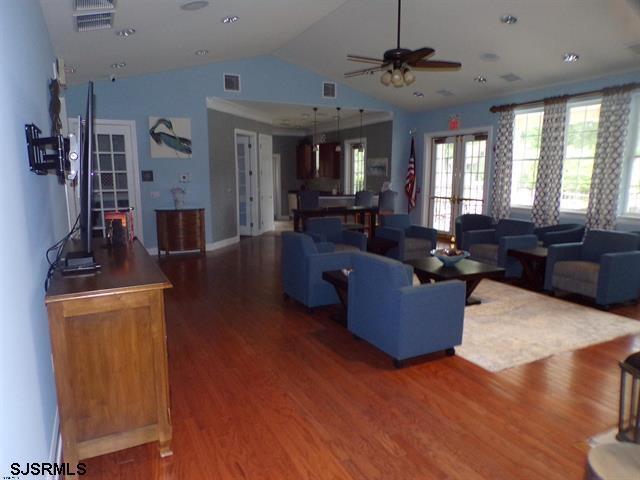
(329, 90)
(94, 21)
(635, 48)
(510, 77)
(83, 5)
(231, 82)
(445, 93)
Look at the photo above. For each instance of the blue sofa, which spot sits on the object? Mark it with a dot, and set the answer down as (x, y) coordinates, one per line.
(562, 233)
(471, 221)
(303, 262)
(605, 267)
(402, 320)
(413, 241)
(491, 245)
(331, 229)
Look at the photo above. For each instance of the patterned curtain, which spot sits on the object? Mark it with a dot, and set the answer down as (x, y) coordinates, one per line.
(607, 166)
(546, 202)
(503, 154)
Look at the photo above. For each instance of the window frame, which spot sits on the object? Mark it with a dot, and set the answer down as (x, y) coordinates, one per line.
(632, 144)
(525, 111)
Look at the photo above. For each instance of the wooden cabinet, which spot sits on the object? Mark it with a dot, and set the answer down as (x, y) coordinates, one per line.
(108, 341)
(305, 162)
(329, 161)
(180, 230)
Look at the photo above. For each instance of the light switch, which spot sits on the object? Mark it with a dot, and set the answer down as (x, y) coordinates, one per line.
(155, 194)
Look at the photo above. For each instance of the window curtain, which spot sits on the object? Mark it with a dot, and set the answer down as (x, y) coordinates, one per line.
(503, 155)
(546, 201)
(607, 166)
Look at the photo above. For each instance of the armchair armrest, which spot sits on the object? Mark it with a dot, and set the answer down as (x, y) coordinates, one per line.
(558, 253)
(514, 242)
(357, 239)
(563, 236)
(317, 237)
(471, 237)
(325, 247)
(619, 278)
(418, 231)
(396, 235)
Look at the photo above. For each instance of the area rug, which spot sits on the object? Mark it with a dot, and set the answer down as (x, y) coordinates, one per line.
(514, 326)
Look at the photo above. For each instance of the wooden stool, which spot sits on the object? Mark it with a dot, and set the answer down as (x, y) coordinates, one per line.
(614, 461)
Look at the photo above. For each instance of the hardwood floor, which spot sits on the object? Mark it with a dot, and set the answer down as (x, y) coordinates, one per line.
(262, 390)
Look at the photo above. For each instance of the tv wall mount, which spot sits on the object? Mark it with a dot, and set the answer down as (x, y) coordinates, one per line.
(50, 154)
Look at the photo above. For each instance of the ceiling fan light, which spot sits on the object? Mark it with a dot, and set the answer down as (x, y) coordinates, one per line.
(385, 78)
(396, 78)
(409, 77)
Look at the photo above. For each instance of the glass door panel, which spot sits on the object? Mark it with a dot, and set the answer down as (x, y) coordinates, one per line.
(442, 185)
(471, 199)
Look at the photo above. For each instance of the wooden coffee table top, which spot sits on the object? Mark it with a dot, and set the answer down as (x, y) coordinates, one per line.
(536, 253)
(464, 269)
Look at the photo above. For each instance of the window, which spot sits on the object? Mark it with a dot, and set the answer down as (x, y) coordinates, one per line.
(580, 139)
(631, 194)
(357, 155)
(527, 133)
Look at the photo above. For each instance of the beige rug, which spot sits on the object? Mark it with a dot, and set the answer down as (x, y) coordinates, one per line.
(514, 326)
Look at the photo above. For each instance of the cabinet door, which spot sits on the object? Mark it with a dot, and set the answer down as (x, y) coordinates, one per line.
(329, 161)
(305, 167)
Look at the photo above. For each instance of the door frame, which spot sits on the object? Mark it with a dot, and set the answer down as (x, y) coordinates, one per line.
(277, 186)
(137, 211)
(425, 205)
(347, 170)
(253, 139)
(261, 160)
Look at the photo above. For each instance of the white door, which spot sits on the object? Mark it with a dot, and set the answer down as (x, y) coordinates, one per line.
(457, 178)
(116, 182)
(277, 186)
(266, 183)
(245, 190)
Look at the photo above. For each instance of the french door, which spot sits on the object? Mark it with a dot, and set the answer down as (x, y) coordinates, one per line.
(246, 187)
(457, 180)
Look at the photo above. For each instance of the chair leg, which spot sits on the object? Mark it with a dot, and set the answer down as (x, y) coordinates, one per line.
(450, 352)
(310, 310)
(398, 363)
(285, 296)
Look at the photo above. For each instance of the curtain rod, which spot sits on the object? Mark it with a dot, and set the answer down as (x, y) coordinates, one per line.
(501, 108)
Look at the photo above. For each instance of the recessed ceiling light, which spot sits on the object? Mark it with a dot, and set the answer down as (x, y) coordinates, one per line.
(570, 57)
(230, 19)
(509, 19)
(489, 57)
(418, 94)
(480, 79)
(118, 65)
(202, 53)
(69, 69)
(191, 6)
(126, 32)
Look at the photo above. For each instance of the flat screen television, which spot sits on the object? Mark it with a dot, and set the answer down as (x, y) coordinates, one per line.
(80, 259)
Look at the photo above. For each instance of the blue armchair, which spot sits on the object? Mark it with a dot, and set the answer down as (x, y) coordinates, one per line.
(308, 200)
(413, 241)
(303, 262)
(605, 266)
(364, 198)
(330, 229)
(491, 245)
(562, 233)
(471, 221)
(402, 320)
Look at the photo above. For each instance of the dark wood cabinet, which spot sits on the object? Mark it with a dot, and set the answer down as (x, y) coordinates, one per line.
(329, 161)
(305, 162)
(180, 230)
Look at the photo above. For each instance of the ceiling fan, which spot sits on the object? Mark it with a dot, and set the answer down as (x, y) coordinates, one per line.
(398, 63)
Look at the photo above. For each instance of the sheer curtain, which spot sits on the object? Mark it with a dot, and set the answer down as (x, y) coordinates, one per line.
(607, 166)
(546, 202)
(501, 192)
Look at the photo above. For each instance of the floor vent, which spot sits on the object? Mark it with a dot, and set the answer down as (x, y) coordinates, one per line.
(510, 77)
(94, 21)
(231, 82)
(83, 5)
(329, 90)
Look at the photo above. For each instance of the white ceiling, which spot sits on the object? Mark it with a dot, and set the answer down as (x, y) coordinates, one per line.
(318, 34)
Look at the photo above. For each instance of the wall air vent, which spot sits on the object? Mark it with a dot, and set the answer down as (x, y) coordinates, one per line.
(231, 82)
(84, 5)
(510, 77)
(445, 93)
(94, 21)
(329, 90)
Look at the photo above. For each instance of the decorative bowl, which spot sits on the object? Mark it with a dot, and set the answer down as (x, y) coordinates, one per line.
(449, 257)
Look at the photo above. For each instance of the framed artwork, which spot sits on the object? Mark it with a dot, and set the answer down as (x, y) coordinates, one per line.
(378, 167)
(170, 137)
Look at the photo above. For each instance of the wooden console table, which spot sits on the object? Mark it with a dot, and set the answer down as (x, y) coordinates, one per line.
(108, 341)
(180, 230)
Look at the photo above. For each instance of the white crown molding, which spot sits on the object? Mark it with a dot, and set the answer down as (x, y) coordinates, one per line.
(354, 122)
(233, 108)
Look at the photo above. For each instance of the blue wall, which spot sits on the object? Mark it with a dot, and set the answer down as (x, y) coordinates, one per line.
(183, 93)
(34, 214)
(477, 114)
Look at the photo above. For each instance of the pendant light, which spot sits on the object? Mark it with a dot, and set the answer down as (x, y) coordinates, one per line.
(338, 146)
(361, 145)
(315, 123)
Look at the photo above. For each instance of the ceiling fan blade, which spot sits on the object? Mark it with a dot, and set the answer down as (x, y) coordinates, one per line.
(419, 54)
(436, 65)
(363, 59)
(364, 71)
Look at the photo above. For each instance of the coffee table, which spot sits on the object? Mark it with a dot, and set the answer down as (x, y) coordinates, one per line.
(534, 262)
(469, 271)
(380, 245)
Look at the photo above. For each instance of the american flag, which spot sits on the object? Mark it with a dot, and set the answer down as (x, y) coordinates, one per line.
(410, 183)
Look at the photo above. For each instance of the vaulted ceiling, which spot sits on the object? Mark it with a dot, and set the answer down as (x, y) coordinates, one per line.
(318, 34)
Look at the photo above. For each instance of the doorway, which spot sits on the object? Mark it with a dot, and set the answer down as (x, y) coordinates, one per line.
(355, 156)
(246, 186)
(457, 178)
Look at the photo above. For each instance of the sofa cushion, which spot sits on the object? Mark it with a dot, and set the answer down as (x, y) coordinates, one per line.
(576, 276)
(416, 247)
(485, 252)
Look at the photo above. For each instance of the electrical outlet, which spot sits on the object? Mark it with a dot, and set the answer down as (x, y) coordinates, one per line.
(184, 177)
(155, 194)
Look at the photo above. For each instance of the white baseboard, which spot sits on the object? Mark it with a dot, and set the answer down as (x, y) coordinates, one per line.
(208, 247)
(55, 448)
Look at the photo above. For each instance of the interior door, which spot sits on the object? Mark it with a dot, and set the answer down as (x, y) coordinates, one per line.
(266, 182)
(458, 180)
(243, 162)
